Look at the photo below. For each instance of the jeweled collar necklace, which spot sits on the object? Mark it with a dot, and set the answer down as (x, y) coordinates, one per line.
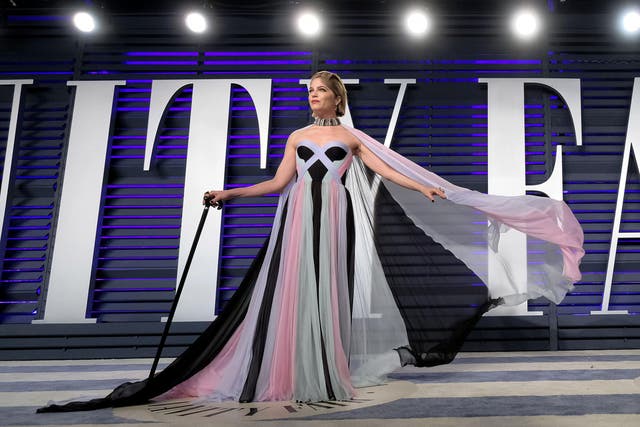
(331, 121)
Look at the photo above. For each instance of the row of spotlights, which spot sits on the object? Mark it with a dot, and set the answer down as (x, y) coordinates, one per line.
(525, 23)
(86, 23)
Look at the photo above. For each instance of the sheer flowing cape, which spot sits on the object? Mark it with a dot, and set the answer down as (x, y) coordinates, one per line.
(424, 273)
(469, 222)
(409, 239)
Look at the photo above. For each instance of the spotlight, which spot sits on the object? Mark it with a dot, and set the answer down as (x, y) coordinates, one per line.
(417, 22)
(631, 22)
(84, 22)
(525, 24)
(309, 24)
(196, 22)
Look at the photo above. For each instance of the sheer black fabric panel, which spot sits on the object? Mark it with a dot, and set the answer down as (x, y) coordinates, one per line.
(439, 305)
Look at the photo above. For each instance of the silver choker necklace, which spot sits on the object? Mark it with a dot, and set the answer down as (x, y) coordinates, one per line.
(332, 121)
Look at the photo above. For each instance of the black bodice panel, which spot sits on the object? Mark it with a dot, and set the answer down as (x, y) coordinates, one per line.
(317, 170)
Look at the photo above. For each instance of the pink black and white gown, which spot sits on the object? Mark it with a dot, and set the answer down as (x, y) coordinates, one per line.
(351, 284)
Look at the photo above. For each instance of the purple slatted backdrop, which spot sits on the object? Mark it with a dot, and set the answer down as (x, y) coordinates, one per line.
(442, 126)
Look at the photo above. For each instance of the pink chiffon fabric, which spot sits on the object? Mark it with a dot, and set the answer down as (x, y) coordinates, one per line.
(542, 218)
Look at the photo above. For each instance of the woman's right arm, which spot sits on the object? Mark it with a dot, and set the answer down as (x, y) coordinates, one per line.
(285, 172)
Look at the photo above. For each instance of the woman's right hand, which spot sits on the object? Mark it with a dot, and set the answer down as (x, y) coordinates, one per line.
(214, 197)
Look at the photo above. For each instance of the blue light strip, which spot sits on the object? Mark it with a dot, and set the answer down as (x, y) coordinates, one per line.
(284, 53)
(161, 53)
(170, 63)
(262, 62)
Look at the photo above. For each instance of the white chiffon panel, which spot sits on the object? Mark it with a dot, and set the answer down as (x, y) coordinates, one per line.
(377, 326)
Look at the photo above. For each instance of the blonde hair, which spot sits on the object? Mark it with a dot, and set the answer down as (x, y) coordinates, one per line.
(334, 83)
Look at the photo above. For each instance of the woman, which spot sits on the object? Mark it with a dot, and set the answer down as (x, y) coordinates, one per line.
(313, 280)
(326, 305)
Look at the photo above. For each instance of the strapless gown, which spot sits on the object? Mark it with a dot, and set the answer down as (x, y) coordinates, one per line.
(294, 341)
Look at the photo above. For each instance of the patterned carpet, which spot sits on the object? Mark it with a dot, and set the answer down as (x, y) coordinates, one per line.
(594, 388)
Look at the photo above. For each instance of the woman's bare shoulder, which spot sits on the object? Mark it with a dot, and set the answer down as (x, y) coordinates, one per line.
(298, 135)
(351, 140)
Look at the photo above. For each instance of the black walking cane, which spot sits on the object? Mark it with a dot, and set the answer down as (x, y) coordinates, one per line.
(183, 278)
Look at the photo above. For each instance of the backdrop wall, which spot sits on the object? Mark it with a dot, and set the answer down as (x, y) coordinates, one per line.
(441, 124)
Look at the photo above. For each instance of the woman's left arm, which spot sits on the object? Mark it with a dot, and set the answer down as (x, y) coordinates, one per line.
(374, 163)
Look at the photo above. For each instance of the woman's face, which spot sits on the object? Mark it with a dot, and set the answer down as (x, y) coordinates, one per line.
(322, 100)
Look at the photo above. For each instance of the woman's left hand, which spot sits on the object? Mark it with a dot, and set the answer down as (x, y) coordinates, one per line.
(430, 192)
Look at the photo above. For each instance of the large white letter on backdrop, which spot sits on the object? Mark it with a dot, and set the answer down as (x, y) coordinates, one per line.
(74, 246)
(205, 170)
(631, 147)
(396, 108)
(506, 165)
